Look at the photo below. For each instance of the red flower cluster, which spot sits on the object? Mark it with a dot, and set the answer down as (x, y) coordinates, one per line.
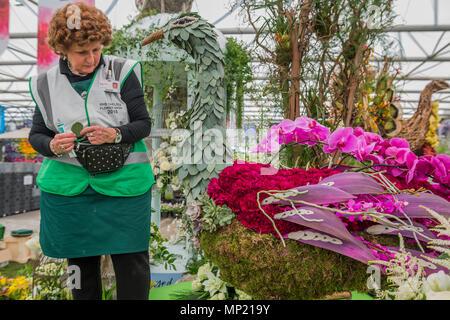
(239, 184)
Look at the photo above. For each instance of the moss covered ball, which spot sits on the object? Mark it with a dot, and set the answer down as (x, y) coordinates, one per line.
(259, 265)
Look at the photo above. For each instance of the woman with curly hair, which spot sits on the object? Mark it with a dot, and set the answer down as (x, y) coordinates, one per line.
(97, 101)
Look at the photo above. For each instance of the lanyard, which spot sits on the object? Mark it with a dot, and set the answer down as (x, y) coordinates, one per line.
(110, 84)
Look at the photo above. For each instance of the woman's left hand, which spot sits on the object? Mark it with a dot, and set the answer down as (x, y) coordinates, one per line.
(99, 135)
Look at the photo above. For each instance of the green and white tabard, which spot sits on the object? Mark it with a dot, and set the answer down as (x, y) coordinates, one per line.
(107, 213)
(61, 106)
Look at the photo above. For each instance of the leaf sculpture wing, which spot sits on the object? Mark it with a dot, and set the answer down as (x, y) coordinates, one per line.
(391, 230)
(323, 240)
(353, 182)
(431, 201)
(209, 157)
(316, 193)
(327, 223)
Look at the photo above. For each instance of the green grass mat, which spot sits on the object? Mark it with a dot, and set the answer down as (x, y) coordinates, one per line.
(169, 292)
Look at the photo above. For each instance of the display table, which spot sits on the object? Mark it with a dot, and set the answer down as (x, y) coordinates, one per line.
(169, 292)
(361, 296)
(14, 249)
(18, 189)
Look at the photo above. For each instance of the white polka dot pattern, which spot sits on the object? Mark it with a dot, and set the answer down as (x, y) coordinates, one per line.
(103, 158)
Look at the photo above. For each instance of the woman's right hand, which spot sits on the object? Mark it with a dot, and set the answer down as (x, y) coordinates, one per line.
(62, 142)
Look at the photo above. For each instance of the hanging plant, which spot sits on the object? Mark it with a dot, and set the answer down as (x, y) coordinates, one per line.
(237, 74)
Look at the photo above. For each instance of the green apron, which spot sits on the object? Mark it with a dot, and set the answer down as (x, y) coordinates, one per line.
(92, 224)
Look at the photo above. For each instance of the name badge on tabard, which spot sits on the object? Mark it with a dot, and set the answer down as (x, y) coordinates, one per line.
(110, 85)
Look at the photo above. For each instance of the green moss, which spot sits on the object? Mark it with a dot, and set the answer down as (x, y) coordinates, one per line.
(259, 265)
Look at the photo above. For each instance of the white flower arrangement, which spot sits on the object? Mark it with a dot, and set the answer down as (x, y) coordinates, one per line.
(215, 286)
(165, 158)
(406, 275)
(158, 251)
(34, 246)
(437, 282)
(165, 166)
(208, 285)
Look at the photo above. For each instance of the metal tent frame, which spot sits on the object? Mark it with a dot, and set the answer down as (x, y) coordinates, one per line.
(14, 72)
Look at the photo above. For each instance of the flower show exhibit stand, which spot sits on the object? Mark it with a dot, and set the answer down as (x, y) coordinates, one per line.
(14, 249)
(170, 291)
(163, 276)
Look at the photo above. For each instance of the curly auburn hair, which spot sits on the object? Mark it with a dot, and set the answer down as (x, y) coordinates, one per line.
(62, 34)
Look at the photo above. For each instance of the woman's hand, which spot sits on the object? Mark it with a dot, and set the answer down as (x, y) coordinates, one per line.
(99, 135)
(62, 142)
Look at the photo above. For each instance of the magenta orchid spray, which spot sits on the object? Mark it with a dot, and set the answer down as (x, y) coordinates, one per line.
(327, 211)
(392, 156)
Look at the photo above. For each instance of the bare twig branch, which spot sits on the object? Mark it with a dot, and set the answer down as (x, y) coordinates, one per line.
(257, 32)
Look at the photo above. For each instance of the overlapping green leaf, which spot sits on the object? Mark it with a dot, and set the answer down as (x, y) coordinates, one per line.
(200, 41)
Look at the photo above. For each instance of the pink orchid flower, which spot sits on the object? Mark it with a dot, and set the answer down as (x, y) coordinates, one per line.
(420, 169)
(288, 132)
(307, 128)
(397, 157)
(399, 154)
(319, 133)
(270, 143)
(441, 163)
(304, 123)
(343, 140)
(382, 146)
(397, 150)
(287, 126)
(399, 143)
(358, 132)
(410, 158)
(362, 150)
(369, 137)
(376, 159)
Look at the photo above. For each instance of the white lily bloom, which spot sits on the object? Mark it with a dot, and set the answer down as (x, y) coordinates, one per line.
(218, 296)
(214, 285)
(441, 295)
(438, 281)
(197, 285)
(204, 272)
(409, 290)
